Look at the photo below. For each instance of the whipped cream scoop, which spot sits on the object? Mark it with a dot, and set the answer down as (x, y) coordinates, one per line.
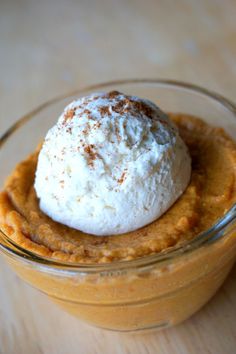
(112, 164)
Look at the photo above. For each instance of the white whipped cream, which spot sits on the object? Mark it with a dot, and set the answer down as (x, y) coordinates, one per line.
(112, 164)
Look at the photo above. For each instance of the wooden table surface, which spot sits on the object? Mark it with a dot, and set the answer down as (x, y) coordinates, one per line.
(49, 47)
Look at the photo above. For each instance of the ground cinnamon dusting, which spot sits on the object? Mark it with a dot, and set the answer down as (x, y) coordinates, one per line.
(122, 178)
(89, 149)
(104, 110)
(120, 107)
(86, 130)
(97, 125)
(69, 115)
(88, 113)
(143, 107)
(112, 94)
(127, 104)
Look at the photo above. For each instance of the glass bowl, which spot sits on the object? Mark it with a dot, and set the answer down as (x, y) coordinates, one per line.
(151, 292)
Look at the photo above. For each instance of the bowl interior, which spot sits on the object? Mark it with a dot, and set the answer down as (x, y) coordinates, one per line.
(30, 130)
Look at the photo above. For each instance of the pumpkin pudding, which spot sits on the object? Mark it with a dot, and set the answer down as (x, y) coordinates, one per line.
(128, 301)
(210, 193)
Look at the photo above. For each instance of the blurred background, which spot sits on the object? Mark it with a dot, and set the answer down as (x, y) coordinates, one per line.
(49, 47)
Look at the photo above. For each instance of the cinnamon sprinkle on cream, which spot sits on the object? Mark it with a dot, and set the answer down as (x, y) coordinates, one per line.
(122, 178)
(112, 94)
(89, 149)
(69, 115)
(104, 110)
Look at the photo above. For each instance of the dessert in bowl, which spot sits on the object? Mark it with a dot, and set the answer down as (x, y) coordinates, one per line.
(113, 227)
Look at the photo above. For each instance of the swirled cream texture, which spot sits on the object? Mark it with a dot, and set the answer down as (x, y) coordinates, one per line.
(112, 164)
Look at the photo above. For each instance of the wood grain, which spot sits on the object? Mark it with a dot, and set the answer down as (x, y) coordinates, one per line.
(49, 47)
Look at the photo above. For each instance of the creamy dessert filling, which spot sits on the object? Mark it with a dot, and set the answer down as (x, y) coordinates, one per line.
(209, 195)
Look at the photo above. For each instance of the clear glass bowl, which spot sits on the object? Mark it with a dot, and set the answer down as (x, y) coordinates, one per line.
(151, 292)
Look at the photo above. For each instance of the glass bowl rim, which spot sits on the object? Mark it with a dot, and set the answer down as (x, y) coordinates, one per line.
(210, 235)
